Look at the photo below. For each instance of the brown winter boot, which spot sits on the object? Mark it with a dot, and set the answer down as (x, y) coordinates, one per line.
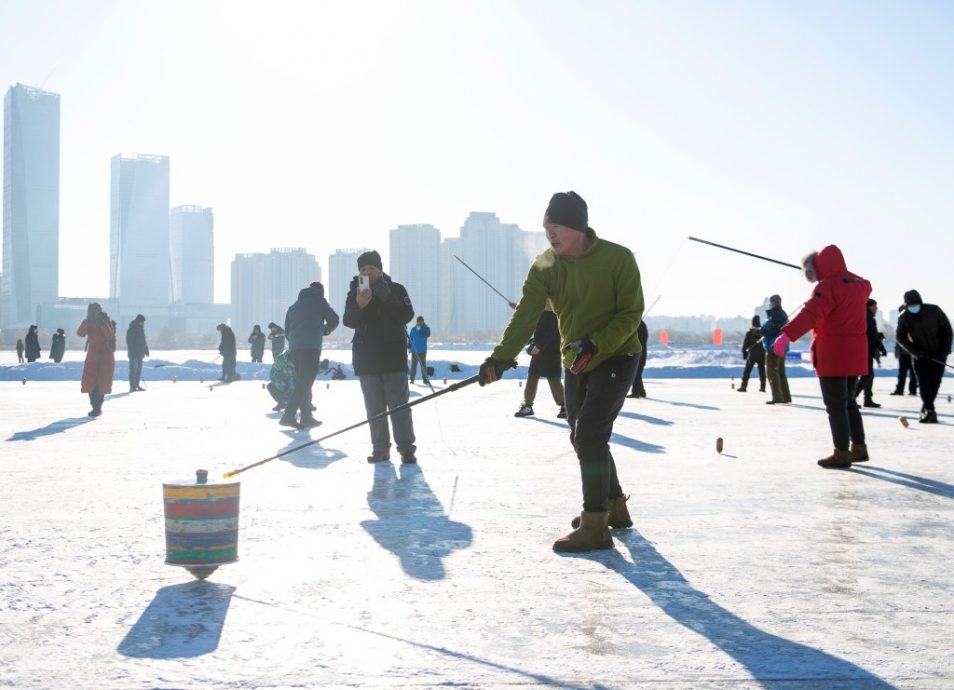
(859, 452)
(837, 459)
(618, 514)
(593, 534)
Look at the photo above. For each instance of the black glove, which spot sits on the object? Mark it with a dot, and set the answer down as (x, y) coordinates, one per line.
(584, 349)
(381, 290)
(492, 370)
(884, 353)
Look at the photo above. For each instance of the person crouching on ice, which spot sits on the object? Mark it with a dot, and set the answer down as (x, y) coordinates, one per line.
(595, 290)
(836, 312)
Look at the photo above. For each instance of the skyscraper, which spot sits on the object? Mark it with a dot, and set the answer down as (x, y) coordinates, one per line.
(31, 203)
(191, 247)
(139, 263)
(265, 285)
(415, 252)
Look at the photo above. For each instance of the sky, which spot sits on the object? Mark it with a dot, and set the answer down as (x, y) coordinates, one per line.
(775, 127)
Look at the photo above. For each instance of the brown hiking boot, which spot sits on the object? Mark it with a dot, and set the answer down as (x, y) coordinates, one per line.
(859, 452)
(837, 459)
(593, 534)
(618, 514)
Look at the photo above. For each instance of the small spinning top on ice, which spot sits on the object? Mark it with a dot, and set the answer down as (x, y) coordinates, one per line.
(201, 524)
(904, 421)
(719, 445)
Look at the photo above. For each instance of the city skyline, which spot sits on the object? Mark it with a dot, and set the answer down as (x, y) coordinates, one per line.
(771, 127)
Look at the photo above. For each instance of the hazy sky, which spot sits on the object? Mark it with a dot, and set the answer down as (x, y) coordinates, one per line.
(776, 127)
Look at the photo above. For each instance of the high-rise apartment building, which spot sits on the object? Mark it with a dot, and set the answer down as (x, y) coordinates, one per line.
(31, 203)
(451, 275)
(191, 249)
(342, 267)
(499, 253)
(140, 273)
(415, 252)
(265, 285)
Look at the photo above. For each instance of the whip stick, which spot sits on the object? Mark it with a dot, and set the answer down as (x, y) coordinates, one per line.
(930, 359)
(739, 251)
(484, 281)
(382, 415)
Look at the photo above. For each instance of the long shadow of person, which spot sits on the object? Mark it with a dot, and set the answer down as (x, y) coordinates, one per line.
(411, 522)
(181, 621)
(629, 442)
(912, 481)
(57, 427)
(773, 661)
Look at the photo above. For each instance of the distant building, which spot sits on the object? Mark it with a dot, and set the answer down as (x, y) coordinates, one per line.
(415, 252)
(31, 203)
(192, 253)
(500, 253)
(140, 273)
(342, 267)
(451, 277)
(265, 285)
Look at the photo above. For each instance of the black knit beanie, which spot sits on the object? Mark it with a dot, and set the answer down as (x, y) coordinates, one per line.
(371, 258)
(912, 297)
(568, 209)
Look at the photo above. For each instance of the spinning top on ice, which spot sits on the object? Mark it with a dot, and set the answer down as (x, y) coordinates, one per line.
(173, 379)
(327, 385)
(263, 386)
(24, 380)
(445, 383)
(201, 524)
(210, 387)
(719, 443)
(201, 381)
(903, 420)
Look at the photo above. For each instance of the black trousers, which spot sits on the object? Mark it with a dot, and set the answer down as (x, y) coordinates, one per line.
(866, 382)
(905, 369)
(96, 399)
(228, 367)
(638, 388)
(306, 369)
(844, 417)
(749, 363)
(593, 400)
(929, 380)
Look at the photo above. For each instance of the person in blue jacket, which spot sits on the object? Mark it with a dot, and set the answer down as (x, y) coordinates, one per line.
(775, 364)
(417, 343)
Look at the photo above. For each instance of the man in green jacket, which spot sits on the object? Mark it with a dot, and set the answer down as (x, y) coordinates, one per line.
(595, 290)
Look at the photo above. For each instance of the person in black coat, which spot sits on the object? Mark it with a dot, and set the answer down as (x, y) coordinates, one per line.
(277, 335)
(642, 333)
(545, 361)
(32, 345)
(754, 355)
(307, 321)
(875, 352)
(257, 341)
(136, 351)
(378, 309)
(228, 350)
(58, 347)
(905, 368)
(925, 331)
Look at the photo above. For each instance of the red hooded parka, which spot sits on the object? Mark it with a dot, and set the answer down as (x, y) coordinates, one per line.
(100, 361)
(837, 313)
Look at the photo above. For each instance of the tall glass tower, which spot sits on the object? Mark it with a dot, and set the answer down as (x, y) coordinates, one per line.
(140, 272)
(31, 203)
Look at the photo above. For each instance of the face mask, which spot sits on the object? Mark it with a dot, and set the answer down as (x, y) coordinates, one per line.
(914, 308)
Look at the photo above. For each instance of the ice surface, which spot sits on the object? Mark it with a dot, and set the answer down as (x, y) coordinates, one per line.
(750, 569)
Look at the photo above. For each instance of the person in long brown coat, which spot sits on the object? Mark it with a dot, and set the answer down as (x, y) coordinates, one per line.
(100, 362)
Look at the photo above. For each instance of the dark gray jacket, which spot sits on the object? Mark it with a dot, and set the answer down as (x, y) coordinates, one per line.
(309, 319)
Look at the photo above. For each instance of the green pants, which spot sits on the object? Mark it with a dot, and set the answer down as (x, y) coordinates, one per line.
(777, 379)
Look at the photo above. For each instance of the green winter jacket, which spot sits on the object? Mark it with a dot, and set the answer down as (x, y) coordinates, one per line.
(597, 295)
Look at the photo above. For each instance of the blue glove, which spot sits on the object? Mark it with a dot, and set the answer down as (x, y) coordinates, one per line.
(585, 349)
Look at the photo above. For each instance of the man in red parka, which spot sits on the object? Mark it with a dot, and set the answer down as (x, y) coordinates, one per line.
(836, 312)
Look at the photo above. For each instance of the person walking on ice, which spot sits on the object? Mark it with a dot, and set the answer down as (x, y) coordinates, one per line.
(544, 351)
(100, 364)
(836, 314)
(925, 331)
(594, 286)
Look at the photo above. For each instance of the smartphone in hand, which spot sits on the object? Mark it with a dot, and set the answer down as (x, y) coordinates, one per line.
(364, 283)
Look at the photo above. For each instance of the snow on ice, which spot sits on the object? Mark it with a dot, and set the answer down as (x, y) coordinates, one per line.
(749, 569)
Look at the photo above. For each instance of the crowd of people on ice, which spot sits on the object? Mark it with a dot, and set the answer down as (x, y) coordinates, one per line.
(580, 318)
